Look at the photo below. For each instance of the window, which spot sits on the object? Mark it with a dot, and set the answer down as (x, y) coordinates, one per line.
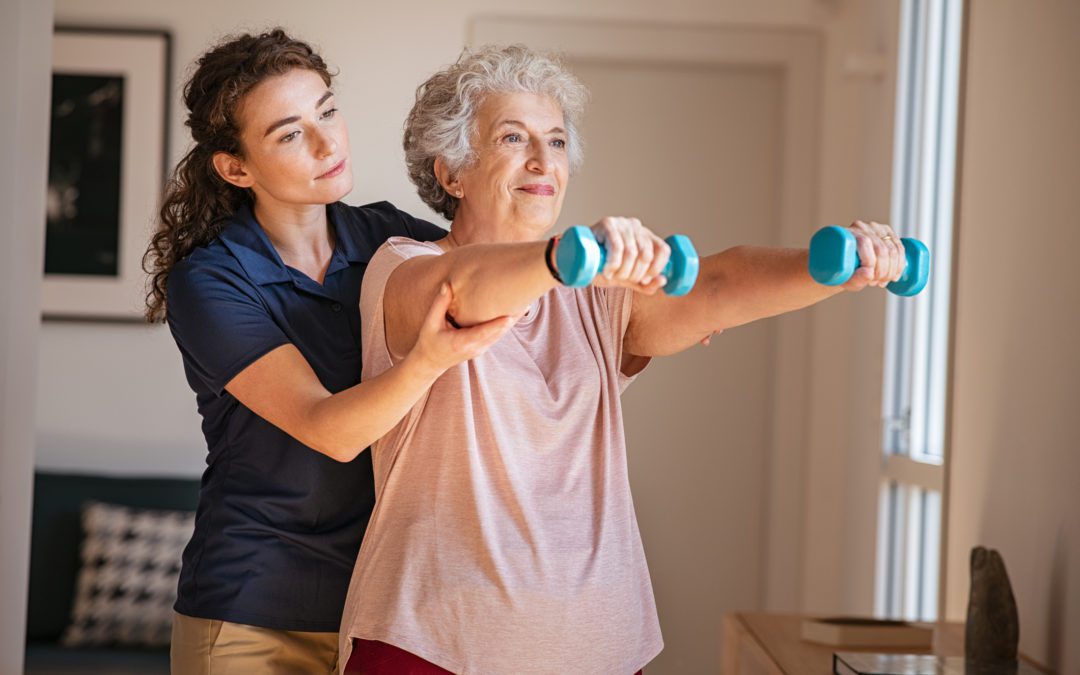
(917, 329)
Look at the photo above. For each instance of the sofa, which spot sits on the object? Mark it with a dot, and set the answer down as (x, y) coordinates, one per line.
(55, 562)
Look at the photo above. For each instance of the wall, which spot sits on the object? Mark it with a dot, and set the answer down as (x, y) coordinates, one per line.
(112, 397)
(840, 460)
(1015, 449)
(25, 27)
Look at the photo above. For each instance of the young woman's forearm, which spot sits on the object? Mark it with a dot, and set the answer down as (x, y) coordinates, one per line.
(344, 424)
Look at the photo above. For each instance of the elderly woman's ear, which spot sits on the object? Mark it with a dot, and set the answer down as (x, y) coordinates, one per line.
(449, 181)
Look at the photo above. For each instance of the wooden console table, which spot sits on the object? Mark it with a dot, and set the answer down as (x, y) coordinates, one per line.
(771, 644)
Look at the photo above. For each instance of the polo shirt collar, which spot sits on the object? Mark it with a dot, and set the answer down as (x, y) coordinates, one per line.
(341, 215)
(247, 241)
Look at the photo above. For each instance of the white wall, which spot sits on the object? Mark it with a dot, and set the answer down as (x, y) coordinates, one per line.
(112, 397)
(1015, 447)
(841, 458)
(25, 28)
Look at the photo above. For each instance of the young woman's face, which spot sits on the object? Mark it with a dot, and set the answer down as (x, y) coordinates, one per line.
(295, 143)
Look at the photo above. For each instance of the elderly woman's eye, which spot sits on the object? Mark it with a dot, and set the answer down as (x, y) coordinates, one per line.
(558, 143)
(512, 138)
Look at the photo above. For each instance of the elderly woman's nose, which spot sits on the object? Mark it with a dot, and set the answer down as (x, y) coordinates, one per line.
(541, 157)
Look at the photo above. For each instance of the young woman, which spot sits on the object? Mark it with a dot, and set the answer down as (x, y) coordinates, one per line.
(256, 266)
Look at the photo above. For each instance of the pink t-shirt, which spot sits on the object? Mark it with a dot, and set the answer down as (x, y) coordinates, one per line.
(504, 538)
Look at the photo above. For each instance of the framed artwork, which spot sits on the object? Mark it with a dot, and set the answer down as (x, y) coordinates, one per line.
(107, 150)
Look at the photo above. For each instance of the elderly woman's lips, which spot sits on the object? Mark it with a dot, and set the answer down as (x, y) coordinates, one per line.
(545, 190)
(338, 168)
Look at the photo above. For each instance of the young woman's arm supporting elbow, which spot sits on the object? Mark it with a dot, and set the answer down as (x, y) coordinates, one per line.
(282, 388)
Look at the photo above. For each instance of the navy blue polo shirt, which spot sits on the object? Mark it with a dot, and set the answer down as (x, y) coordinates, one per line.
(278, 524)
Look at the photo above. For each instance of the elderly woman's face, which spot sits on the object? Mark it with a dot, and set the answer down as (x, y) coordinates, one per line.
(522, 166)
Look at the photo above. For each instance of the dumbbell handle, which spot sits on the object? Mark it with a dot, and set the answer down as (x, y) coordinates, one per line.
(834, 258)
(579, 258)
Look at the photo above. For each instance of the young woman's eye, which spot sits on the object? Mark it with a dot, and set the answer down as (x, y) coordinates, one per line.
(329, 113)
(289, 136)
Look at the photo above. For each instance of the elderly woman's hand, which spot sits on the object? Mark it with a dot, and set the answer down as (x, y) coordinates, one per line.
(635, 256)
(440, 346)
(881, 256)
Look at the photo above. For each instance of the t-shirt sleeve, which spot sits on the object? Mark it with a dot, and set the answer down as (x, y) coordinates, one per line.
(396, 250)
(617, 303)
(219, 322)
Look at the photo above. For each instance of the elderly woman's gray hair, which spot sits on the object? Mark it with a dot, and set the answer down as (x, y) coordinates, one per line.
(442, 121)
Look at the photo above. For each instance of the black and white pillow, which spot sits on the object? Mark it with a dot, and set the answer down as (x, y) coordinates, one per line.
(127, 584)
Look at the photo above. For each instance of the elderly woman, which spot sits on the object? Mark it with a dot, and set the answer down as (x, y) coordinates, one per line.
(504, 538)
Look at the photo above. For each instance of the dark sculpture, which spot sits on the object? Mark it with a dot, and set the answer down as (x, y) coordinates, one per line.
(993, 627)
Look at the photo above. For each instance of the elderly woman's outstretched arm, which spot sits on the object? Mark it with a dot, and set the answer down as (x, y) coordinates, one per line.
(485, 281)
(491, 280)
(747, 283)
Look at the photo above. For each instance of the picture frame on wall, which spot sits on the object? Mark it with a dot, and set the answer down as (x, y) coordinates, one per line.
(107, 167)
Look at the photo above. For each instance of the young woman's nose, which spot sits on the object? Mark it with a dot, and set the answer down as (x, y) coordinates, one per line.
(325, 143)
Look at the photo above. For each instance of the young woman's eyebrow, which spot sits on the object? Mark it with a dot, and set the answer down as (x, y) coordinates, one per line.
(295, 118)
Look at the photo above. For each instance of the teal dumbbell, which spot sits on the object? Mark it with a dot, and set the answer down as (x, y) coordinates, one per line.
(579, 258)
(834, 258)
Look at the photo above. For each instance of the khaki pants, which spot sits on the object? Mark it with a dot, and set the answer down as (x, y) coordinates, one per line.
(209, 647)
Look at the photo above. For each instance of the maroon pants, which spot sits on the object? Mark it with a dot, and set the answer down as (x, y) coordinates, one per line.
(378, 658)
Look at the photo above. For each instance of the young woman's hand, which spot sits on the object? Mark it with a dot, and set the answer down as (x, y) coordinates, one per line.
(440, 346)
(881, 256)
(635, 256)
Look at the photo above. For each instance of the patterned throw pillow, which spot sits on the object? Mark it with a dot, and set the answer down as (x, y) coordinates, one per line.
(127, 585)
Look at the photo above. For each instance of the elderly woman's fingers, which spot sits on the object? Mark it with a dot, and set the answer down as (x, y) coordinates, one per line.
(886, 246)
(625, 270)
(635, 256)
(899, 257)
(607, 235)
(883, 256)
(864, 243)
(643, 239)
(661, 255)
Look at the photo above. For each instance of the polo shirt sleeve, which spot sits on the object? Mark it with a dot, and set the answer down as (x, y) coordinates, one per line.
(219, 321)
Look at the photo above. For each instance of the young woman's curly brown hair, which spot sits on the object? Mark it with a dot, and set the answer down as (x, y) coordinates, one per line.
(197, 200)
